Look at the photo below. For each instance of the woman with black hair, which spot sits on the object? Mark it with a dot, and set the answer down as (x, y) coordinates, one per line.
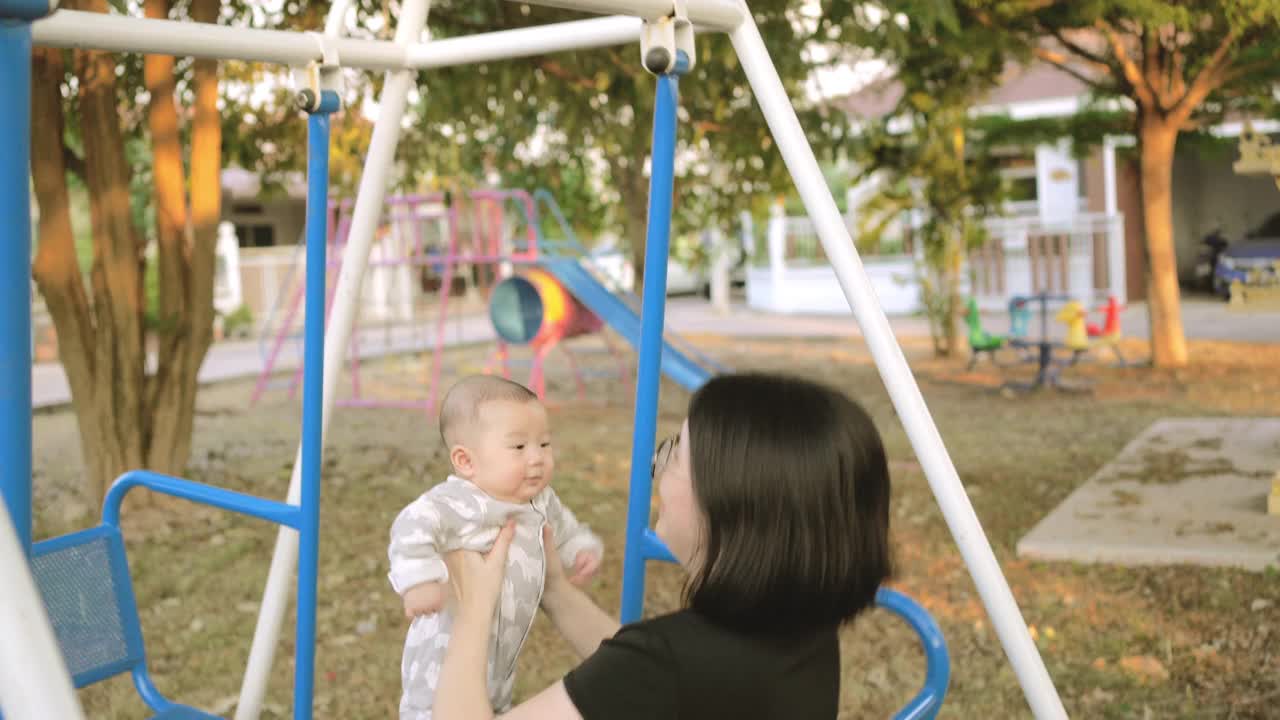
(775, 498)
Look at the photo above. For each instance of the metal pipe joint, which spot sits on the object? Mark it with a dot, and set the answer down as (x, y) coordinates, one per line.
(666, 44)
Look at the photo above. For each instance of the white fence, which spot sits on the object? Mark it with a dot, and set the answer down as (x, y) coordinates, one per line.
(1082, 258)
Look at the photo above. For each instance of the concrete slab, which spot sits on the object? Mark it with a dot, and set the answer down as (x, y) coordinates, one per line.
(1187, 490)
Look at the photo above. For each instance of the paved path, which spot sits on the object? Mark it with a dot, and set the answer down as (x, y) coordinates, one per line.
(1203, 320)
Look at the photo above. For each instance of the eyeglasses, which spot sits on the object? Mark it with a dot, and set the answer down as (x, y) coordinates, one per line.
(662, 455)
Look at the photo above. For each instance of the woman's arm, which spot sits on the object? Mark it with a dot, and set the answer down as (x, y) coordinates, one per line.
(477, 582)
(576, 616)
(462, 695)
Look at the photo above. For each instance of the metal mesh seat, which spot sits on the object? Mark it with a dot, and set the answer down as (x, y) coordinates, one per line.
(82, 596)
(84, 581)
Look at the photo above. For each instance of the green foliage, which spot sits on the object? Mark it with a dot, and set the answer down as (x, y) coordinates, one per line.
(579, 122)
(1180, 65)
(238, 323)
(943, 168)
(1131, 48)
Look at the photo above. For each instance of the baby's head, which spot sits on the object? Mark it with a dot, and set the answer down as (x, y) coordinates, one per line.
(498, 437)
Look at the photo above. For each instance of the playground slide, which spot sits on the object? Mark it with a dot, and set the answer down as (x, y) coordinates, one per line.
(618, 315)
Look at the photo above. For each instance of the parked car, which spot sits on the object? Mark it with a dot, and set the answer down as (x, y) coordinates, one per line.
(1258, 251)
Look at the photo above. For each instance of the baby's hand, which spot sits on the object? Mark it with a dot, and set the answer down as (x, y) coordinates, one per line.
(585, 566)
(424, 599)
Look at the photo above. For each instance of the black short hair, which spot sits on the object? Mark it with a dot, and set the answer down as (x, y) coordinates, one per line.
(793, 482)
(461, 405)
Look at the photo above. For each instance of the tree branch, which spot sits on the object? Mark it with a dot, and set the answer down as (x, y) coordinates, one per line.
(1177, 78)
(1232, 74)
(1153, 67)
(1079, 50)
(1061, 62)
(1131, 72)
(1209, 77)
(558, 70)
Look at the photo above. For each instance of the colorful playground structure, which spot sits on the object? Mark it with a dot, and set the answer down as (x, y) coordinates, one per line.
(1082, 336)
(547, 290)
(70, 624)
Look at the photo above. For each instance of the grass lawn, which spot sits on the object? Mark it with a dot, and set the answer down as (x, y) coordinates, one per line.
(1178, 642)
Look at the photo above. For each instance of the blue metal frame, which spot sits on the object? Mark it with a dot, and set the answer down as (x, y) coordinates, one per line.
(304, 517)
(642, 543)
(312, 400)
(270, 510)
(124, 598)
(25, 10)
(15, 267)
(652, 308)
(126, 603)
(926, 704)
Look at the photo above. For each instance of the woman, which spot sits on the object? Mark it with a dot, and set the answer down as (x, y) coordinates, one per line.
(775, 499)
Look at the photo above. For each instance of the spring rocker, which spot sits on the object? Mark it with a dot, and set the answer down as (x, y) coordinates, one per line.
(980, 341)
(1084, 336)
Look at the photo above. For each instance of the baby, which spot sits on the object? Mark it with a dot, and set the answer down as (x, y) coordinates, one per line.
(499, 445)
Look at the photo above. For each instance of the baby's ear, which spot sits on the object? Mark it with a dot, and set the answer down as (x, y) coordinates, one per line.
(462, 462)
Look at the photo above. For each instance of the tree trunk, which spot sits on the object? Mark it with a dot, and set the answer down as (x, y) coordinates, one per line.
(187, 253)
(101, 341)
(942, 296)
(118, 378)
(57, 270)
(1158, 138)
(169, 200)
(174, 415)
(635, 204)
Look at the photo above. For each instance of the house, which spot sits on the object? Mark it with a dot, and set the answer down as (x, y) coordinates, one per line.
(1208, 194)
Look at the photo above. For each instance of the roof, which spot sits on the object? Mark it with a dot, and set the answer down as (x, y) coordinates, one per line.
(241, 184)
(1036, 82)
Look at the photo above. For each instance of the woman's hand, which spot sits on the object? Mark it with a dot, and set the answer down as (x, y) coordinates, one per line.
(477, 579)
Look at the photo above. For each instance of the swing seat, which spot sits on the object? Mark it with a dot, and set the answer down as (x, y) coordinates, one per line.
(84, 581)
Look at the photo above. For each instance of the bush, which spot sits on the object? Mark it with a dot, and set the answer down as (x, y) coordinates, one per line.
(238, 323)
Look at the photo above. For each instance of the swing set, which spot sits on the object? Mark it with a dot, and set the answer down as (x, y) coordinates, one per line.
(70, 617)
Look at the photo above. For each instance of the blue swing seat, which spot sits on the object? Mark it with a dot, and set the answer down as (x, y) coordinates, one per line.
(84, 580)
(88, 594)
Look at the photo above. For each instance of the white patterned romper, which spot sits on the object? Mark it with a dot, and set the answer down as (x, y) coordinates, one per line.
(457, 515)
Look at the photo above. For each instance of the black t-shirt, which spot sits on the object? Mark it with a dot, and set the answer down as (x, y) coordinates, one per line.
(684, 667)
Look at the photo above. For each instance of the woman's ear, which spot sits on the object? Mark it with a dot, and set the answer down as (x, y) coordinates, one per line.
(463, 463)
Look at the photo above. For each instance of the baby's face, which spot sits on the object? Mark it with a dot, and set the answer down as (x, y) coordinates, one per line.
(512, 453)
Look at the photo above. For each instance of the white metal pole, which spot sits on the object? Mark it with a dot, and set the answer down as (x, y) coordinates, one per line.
(505, 44)
(1115, 223)
(34, 682)
(123, 33)
(1109, 175)
(715, 14)
(777, 236)
(1116, 273)
(116, 33)
(721, 263)
(337, 15)
(901, 384)
(369, 198)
